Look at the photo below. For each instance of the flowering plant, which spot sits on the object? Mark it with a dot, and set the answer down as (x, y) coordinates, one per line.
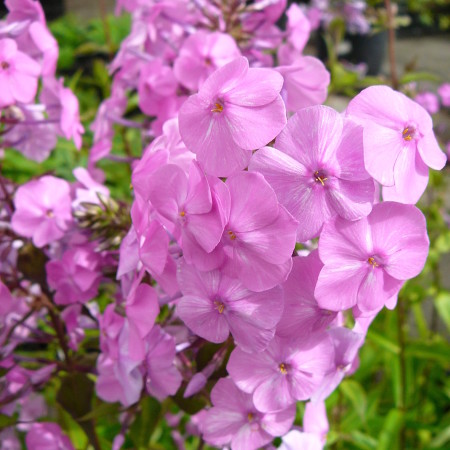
(265, 233)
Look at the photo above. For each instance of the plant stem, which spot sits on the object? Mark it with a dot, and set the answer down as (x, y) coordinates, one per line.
(402, 363)
(391, 43)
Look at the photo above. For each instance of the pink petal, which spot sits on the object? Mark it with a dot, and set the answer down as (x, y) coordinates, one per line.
(431, 153)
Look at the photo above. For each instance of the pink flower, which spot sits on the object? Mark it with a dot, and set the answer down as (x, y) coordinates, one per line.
(163, 378)
(18, 75)
(444, 93)
(62, 106)
(399, 143)
(302, 315)
(76, 276)
(367, 261)
(47, 436)
(234, 420)
(317, 169)
(428, 101)
(236, 110)
(201, 54)
(287, 371)
(305, 83)
(214, 304)
(43, 210)
(259, 238)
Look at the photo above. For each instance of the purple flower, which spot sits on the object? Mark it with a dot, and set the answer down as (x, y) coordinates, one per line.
(236, 110)
(163, 378)
(234, 420)
(43, 210)
(302, 315)
(399, 143)
(47, 436)
(259, 238)
(317, 169)
(18, 75)
(366, 262)
(214, 304)
(201, 54)
(287, 371)
(444, 93)
(428, 101)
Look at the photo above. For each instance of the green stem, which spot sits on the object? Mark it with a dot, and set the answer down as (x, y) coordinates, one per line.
(402, 365)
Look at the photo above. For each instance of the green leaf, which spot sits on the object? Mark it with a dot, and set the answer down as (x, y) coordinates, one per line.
(437, 351)
(7, 421)
(391, 430)
(146, 421)
(441, 439)
(102, 410)
(353, 391)
(419, 76)
(383, 342)
(442, 303)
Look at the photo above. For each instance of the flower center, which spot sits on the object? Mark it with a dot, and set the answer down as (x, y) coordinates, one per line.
(372, 262)
(250, 417)
(219, 306)
(218, 107)
(283, 368)
(232, 235)
(409, 133)
(4, 65)
(320, 177)
(208, 61)
(49, 213)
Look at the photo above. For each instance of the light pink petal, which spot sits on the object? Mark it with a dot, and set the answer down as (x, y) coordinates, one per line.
(311, 136)
(259, 87)
(198, 200)
(380, 105)
(167, 190)
(382, 146)
(153, 250)
(338, 286)
(254, 127)
(23, 87)
(411, 178)
(376, 289)
(262, 365)
(203, 318)
(250, 437)
(280, 422)
(352, 200)
(431, 153)
(273, 394)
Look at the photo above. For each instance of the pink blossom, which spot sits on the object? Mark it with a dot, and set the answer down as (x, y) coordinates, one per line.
(201, 54)
(302, 315)
(43, 210)
(236, 110)
(287, 371)
(162, 379)
(18, 74)
(62, 105)
(25, 10)
(399, 143)
(214, 304)
(305, 83)
(296, 439)
(317, 169)
(367, 261)
(444, 93)
(428, 101)
(48, 436)
(75, 277)
(259, 238)
(235, 421)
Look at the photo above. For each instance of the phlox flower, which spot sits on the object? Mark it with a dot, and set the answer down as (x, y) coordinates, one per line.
(317, 170)
(236, 110)
(235, 421)
(259, 237)
(48, 436)
(295, 440)
(162, 378)
(444, 94)
(18, 74)
(367, 261)
(399, 142)
(214, 304)
(43, 210)
(428, 101)
(201, 54)
(287, 371)
(76, 276)
(302, 315)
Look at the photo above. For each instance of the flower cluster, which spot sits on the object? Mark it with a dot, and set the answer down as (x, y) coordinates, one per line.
(35, 107)
(262, 222)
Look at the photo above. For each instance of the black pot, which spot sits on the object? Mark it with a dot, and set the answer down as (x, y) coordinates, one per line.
(369, 49)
